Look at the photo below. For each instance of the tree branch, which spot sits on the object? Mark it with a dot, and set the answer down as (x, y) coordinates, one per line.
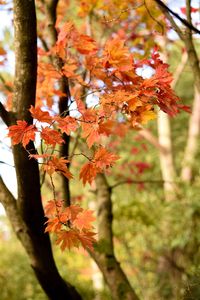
(5, 115)
(167, 11)
(6, 197)
(51, 6)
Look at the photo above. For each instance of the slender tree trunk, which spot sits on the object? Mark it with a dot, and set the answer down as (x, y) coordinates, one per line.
(64, 101)
(104, 255)
(166, 158)
(192, 140)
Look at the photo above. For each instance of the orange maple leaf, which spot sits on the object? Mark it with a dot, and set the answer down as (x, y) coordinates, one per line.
(83, 220)
(53, 207)
(70, 213)
(53, 225)
(142, 115)
(85, 44)
(51, 137)
(90, 127)
(42, 116)
(55, 164)
(67, 124)
(88, 172)
(67, 239)
(104, 159)
(87, 239)
(117, 55)
(64, 32)
(22, 133)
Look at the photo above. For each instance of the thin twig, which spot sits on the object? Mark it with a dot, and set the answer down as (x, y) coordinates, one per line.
(167, 10)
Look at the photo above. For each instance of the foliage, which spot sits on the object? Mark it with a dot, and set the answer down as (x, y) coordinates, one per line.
(98, 57)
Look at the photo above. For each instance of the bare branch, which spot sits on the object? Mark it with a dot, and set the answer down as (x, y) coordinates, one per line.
(167, 11)
(6, 197)
(64, 101)
(146, 133)
(4, 83)
(179, 70)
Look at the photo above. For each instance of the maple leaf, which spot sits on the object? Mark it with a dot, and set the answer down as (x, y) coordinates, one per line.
(90, 127)
(142, 115)
(87, 239)
(88, 172)
(53, 207)
(22, 132)
(83, 220)
(67, 124)
(80, 106)
(56, 164)
(42, 116)
(53, 225)
(70, 213)
(64, 32)
(51, 137)
(69, 69)
(117, 55)
(106, 128)
(85, 44)
(104, 158)
(67, 239)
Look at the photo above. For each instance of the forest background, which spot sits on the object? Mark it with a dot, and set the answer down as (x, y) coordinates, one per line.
(155, 186)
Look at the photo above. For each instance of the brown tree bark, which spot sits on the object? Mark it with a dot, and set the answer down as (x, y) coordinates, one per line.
(64, 101)
(26, 213)
(104, 254)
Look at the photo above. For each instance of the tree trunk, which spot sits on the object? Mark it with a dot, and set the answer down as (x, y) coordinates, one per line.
(30, 225)
(192, 140)
(104, 254)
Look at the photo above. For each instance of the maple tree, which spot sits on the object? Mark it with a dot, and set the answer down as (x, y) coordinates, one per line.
(74, 63)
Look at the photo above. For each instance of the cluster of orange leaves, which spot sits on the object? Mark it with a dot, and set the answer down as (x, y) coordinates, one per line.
(72, 224)
(124, 93)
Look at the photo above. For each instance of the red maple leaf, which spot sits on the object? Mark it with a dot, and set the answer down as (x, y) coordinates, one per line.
(22, 132)
(51, 137)
(87, 239)
(55, 164)
(42, 116)
(104, 158)
(67, 124)
(88, 172)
